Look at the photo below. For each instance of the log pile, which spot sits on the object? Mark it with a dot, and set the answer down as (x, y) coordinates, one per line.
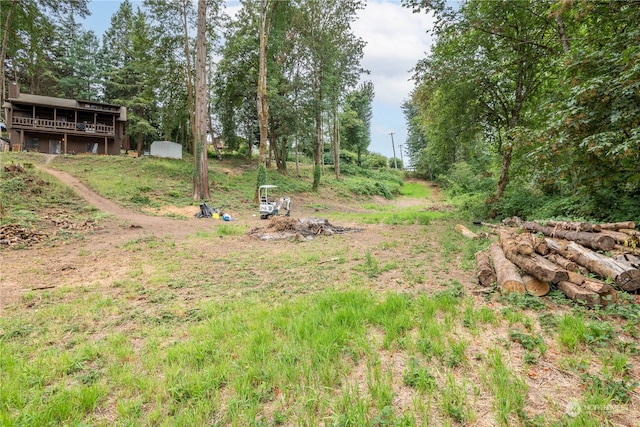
(562, 255)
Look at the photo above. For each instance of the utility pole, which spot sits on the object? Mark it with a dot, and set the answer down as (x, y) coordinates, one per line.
(401, 157)
(395, 163)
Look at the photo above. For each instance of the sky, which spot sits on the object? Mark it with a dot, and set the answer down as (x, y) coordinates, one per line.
(396, 40)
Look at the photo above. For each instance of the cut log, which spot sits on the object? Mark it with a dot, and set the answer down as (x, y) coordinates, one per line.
(631, 259)
(618, 225)
(630, 232)
(512, 242)
(507, 274)
(579, 294)
(622, 238)
(541, 247)
(563, 262)
(486, 275)
(575, 226)
(535, 287)
(538, 267)
(624, 274)
(596, 241)
(604, 290)
(576, 278)
(525, 243)
(624, 249)
(466, 232)
(534, 264)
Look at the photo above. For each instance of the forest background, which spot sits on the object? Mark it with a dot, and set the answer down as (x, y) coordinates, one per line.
(526, 108)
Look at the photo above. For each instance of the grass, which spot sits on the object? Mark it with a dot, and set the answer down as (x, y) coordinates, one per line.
(336, 331)
(24, 197)
(415, 189)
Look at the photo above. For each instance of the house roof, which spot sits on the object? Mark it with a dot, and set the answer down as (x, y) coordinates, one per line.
(50, 101)
(45, 100)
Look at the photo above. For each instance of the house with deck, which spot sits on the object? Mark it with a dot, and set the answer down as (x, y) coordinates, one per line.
(63, 126)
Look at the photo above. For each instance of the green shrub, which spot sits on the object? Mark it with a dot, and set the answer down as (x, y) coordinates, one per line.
(464, 179)
(520, 202)
(348, 158)
(374, 160)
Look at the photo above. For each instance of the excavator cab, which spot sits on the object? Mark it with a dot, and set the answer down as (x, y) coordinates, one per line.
(268, 206)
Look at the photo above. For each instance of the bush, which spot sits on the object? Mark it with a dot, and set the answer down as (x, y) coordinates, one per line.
(520, 202)
(348, 158)
(463, 179)
(398, 162)
(374, 160)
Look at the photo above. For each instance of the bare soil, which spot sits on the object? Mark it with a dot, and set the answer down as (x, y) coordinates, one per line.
(98, 258)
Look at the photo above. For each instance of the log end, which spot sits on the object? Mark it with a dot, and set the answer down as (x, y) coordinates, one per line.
(536, 287)
(513, 286)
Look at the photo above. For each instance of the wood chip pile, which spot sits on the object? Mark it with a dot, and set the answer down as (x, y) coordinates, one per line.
(282, 227)
(534, 257)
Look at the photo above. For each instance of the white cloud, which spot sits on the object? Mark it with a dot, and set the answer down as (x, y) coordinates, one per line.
(396, 40)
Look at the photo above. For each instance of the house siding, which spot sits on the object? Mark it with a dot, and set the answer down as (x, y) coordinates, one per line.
(64, 126)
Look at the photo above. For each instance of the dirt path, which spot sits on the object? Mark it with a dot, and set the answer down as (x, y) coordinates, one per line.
(130, 218)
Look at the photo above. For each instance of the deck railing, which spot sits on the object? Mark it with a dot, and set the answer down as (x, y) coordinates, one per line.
(45, 124)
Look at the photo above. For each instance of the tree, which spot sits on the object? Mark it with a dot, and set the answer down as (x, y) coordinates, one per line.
(236, 81)
(266, 10)
(592, 145)
(28, 47)
(129, 74)
(201, 167)
(78, 62)
(499, 51)
(332, 55)
(356, 119)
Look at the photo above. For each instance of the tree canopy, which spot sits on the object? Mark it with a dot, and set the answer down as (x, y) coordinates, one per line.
(548, 85)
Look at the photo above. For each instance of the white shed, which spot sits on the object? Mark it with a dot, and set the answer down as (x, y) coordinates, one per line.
(166, 149)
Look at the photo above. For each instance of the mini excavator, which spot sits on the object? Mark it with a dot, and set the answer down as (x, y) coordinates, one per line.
(269, 207)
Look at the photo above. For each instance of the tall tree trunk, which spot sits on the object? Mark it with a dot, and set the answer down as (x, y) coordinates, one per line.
(507, 152)
(282, 167)
(297, 157)
(213, 139)
(336, 143)
(3, 55)
(187, 74)
(262, 103)
(279, 149)
(139, 145)
(317, 171)
(201, 172)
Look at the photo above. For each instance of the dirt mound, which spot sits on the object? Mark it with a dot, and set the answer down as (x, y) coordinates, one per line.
(281, 227)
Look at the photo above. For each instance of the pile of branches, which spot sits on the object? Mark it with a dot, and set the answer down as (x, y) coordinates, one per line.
(282, 227)
(63, 221)
(14, 169)
(14, 234)
(589, 263)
